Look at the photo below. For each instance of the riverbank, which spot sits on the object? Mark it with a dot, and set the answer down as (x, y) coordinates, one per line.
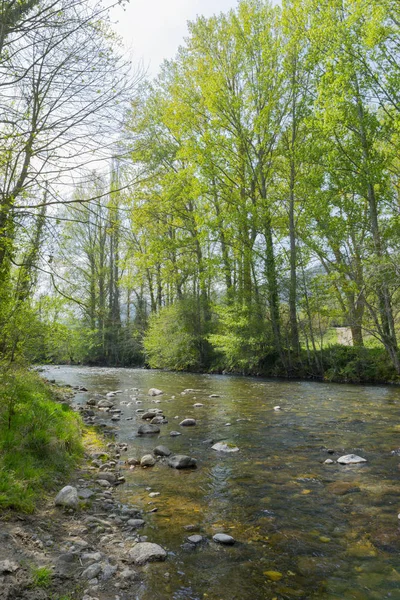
(334, 364)
(74, 545)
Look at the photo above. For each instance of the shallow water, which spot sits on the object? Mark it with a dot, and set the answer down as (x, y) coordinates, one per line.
(285, 508)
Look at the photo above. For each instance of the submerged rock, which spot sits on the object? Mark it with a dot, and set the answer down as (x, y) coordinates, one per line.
(224, 447)
(351, 459)
(67, 497)
(174, 433)
(147, 429)
(180, 461)
(145, 552)
(223, 538)
(340, 488)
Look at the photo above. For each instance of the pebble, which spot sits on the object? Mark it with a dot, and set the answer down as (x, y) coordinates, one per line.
(174, 433)
(328, 461)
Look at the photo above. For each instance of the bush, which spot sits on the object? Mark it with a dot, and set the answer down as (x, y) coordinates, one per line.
(356, 365)
(176, 340)
(39, 438)
(243, 340)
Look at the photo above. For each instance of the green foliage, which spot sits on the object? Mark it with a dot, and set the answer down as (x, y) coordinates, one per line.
(39, 438)
(175, 340)
(41, 576)
(357, 365)
(242, 338)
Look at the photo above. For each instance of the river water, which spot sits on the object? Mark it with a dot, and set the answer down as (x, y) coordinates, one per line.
(304, 529)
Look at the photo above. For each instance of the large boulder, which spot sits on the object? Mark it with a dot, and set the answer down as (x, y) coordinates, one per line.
(145, 552)
(67, 497)
(147, 429)
(180, 461)
(155, 392)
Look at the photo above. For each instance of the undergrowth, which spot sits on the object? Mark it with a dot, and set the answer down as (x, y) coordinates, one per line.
(40, 439)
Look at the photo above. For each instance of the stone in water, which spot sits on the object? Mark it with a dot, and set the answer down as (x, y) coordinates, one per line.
(351, 459)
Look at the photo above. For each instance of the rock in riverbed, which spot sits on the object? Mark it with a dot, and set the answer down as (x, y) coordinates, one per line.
(67, 497)
(195, 539)
(135, 523)
(147, 429)
(145, 552)
(180, 461)
(151, 413)
(351, 459)
(224, 447)
(147, 460)
(162, 451)
(155, 392)
(188, 423)
(223, 538)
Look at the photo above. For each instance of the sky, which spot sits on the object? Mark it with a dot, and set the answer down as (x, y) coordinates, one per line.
(152, 30)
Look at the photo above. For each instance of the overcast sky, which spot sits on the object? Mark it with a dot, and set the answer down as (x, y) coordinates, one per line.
(153, 29)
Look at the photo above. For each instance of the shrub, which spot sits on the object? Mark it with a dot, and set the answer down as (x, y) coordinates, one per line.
(175, 338)
(242, 339)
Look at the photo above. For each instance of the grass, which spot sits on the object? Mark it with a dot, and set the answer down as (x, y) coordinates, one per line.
(40, 439)
(41, 576)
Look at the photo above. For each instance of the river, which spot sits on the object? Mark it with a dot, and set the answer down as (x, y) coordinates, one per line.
(303, 529)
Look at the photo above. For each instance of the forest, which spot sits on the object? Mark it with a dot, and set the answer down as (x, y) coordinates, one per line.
(237, 213)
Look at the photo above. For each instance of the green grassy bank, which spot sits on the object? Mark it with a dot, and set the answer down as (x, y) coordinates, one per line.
(40, 439)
